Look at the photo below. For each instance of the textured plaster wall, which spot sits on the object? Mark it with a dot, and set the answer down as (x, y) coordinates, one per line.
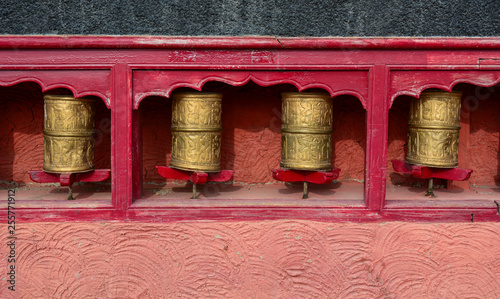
(485, 138)
(253, 17)
(263, 259)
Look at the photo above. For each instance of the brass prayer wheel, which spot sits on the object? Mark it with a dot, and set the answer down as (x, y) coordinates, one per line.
(306, 131)
(68, 134)
(433, 129)
(196, 131)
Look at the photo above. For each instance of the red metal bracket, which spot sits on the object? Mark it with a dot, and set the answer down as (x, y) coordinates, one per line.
(431, 173)
(424, 172)
(196, 177)
(67, 179)
(315, 177)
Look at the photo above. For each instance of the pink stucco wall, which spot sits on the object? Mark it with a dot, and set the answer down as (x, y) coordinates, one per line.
(267, 259)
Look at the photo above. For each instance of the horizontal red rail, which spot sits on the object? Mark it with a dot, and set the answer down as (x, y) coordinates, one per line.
(255, 214)
(171, 42)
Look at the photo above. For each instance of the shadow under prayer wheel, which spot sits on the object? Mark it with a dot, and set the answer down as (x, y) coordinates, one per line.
(68, 134)
(306, 131)
(196, 131)
(433, 129)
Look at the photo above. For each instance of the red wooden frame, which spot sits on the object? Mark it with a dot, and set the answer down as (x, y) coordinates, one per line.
(124, 70)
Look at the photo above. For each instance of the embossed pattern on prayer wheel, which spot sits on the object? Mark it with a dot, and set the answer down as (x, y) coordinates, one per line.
(306, 131)
(68, 134)
(196, 131)
(433, 129)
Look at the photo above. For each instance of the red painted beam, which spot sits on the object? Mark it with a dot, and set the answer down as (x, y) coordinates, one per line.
(391, 43)
(327, 214)
(121, 137)
(159, 42)
(136, 42)
(377, 130)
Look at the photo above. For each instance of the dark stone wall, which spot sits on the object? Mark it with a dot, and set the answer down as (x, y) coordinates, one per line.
(253, 17)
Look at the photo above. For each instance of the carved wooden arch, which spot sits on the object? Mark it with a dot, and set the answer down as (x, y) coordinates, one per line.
(79, 82)
(163, 82)
(413, 83)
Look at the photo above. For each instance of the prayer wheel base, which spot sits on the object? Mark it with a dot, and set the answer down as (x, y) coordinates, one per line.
(68, 179)
(315, 177)
(196, 177)
(194, 168)
(425, 172)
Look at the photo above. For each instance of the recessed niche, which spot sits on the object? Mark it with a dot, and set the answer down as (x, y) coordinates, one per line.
(251, 146)
(22, 146)
(479, 150)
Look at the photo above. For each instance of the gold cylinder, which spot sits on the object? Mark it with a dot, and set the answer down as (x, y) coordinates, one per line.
(68, 134)
(196, 131)
(433, 129)
(306, 131)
